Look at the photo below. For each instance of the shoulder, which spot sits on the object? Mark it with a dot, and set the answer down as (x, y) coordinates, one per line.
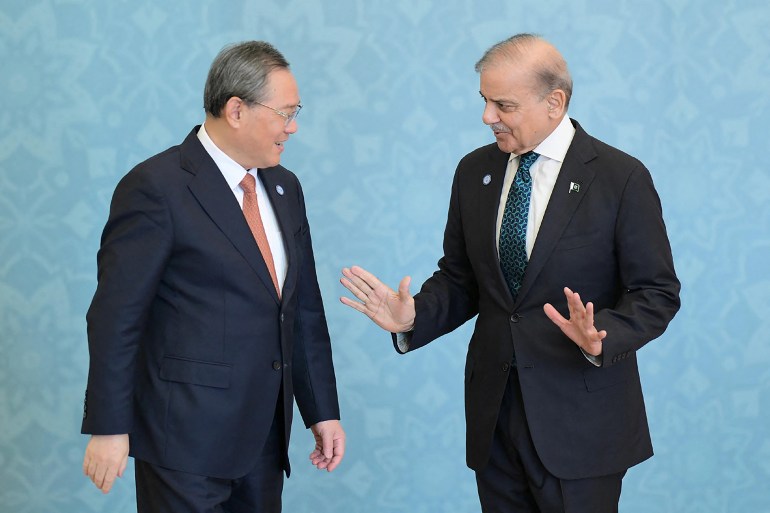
(483, 155)
(171, 166)
(591, 148)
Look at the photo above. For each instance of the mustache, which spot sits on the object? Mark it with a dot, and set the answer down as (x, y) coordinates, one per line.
(499, 127)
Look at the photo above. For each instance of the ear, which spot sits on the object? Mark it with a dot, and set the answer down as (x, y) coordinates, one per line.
(556, 101)
(233, 110)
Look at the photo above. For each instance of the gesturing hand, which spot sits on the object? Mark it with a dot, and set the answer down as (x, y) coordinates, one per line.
(390, 310)
(580, 325)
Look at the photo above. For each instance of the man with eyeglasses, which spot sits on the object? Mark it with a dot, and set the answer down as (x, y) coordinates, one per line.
(207, 319)
(556, 242)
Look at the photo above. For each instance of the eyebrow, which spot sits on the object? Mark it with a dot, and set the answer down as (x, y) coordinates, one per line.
(499, 100)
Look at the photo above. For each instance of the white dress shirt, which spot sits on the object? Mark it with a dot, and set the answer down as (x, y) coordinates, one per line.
(233, 174)
(544, 171)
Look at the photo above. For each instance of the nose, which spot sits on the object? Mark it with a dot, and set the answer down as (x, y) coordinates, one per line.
(292, 127)
(489, 116)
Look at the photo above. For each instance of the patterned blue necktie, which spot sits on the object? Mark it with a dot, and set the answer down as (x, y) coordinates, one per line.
(513, 229)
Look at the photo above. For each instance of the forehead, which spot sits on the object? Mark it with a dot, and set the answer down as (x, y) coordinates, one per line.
(506, 80)
(281, 88)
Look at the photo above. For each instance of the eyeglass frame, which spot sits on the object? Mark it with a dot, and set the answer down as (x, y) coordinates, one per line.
(287, 117)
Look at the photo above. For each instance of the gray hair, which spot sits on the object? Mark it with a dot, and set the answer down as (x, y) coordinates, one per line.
(550, 73)
(240, 70)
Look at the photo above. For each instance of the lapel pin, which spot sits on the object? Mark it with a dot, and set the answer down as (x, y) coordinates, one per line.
(279, 189)
(574, 187)
(486, 180)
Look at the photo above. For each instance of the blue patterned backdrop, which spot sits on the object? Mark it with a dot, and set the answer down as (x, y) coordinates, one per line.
(89, 88)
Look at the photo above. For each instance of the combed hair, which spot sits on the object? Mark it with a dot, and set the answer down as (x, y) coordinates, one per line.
(240, 70)
(551, 74)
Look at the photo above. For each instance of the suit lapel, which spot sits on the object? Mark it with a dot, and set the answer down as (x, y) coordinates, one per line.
(215, 197)
(562, 205)
(277, 190)
(489, 206)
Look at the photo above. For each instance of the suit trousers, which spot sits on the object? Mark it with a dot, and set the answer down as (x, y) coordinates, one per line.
(515, 480)
(161, 490)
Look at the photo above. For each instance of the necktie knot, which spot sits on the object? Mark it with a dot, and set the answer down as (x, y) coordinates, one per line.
(249, 184)
(525, 162)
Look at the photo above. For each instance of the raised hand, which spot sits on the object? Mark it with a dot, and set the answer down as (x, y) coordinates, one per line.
(390, 310)
(580, 325)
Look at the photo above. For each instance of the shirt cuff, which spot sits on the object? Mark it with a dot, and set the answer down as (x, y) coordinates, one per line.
(402, 341)
(596, 360)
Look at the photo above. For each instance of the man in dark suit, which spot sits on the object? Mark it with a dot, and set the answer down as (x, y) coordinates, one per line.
(554, 407)
(207, 320)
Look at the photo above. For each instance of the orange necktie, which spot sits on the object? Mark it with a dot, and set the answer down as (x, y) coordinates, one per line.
(254, 218)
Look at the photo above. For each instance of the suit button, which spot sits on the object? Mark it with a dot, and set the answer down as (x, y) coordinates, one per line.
(281, 317)
(506, 366)
(515, 318)
(276, 365)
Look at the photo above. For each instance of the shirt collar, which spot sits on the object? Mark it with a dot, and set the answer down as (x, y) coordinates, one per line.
(555, 146)
(230, 169)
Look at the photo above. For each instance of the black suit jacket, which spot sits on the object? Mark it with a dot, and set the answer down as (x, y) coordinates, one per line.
(603, 236)
(190, 347)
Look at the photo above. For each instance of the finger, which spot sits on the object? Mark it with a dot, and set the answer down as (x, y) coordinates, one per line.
(365, 276)
(328, 445)
(553, 314)
(353, 304)
(403, 288)
(363, 291)
(339, 453)
(91, 473)
(576, 307)
(123, 466)
(589, 318)
(353, 284)
(109, 480)
(360, 294)
(99, 475)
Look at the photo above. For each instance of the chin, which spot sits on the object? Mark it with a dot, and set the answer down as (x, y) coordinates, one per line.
(505, 147)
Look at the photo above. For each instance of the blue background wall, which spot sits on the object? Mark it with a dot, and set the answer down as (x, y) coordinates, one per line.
(90, 88)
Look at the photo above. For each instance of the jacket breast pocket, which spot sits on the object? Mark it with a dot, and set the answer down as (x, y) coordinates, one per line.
(195, 372)
(578, 240)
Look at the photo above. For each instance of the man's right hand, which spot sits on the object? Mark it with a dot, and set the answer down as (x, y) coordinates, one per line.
(106, 458)
(390, 310)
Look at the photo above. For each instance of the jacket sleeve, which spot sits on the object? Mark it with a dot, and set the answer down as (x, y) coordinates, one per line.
(315, 387)
(650, 295)
(135, 245)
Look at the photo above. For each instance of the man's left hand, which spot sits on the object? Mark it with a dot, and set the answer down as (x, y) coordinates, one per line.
(580, 325)
(329, 444)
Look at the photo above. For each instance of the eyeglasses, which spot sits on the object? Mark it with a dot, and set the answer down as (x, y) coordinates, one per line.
(288, 118)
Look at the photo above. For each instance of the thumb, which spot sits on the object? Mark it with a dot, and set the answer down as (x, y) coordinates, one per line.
(327, 441)
(403, 289)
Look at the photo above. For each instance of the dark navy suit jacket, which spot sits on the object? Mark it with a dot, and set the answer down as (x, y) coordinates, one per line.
(603, 236)
(191, 349)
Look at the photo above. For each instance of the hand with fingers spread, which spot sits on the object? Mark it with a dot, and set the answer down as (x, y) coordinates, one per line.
(580, 325)
(390, 310)
(329, 445)
(105, 460)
